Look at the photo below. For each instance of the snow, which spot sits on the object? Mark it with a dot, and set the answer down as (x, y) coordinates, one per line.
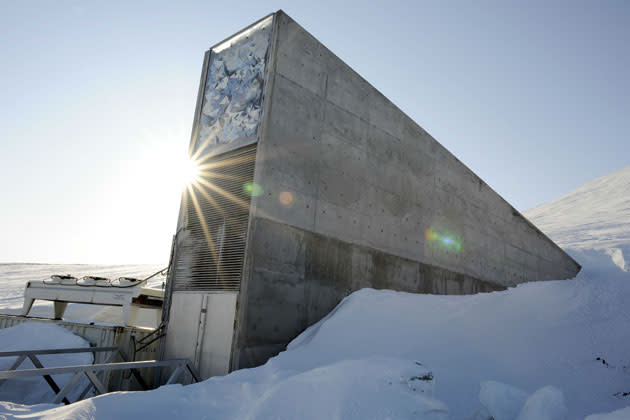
(531, 336)
(623, 414)
(595, 216)
(351, 389)
(505, 402)
(502, 401)
(545, 350)
(38, 335)
(545, 404)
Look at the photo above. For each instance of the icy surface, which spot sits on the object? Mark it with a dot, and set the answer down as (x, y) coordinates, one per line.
(232, 103)
(37, 335)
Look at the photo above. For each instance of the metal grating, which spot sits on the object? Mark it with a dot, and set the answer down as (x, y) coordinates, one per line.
(211, 246)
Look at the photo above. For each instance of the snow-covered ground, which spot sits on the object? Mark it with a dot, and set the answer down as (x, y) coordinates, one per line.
(547, 350)
(38, 335)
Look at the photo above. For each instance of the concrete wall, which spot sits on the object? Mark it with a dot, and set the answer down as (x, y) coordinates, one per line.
(299, 276)
(351, 186)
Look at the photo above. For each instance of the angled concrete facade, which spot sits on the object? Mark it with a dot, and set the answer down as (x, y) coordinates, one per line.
(352, 193)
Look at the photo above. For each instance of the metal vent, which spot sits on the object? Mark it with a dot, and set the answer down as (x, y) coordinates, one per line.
(211, 246)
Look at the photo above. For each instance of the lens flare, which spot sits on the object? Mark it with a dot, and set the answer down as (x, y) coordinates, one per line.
(286, 198)
(447, 241)
(252, 189)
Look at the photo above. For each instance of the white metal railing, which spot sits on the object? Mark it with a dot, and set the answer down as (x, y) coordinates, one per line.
(90, 371)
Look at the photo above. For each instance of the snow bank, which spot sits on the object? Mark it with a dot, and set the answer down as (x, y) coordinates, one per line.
(623, 414)
(545, 404)
(503, 402)
(533, 336)
(351, 389)
(37, 335)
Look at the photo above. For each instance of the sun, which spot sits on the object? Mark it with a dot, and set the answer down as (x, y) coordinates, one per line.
(190, 172)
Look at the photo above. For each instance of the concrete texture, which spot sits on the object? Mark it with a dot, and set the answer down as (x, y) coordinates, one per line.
(365, 184)
(354, 194)
(299, 276)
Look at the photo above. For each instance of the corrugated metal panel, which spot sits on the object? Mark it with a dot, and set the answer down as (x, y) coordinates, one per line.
(211, 245)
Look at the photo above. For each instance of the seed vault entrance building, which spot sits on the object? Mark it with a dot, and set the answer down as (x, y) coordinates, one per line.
(314, 185)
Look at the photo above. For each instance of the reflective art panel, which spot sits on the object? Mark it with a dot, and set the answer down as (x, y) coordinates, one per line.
(232, 103)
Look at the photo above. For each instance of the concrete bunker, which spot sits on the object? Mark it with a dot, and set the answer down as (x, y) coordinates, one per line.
(312, 185)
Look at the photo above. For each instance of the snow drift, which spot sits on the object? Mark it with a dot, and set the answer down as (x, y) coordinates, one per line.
(38, 335)
(361, 359)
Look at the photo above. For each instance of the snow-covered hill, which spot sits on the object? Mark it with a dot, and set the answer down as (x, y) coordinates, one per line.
(595, 216)
(554, 350)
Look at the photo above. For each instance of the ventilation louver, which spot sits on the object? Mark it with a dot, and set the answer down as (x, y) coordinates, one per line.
(211, 246)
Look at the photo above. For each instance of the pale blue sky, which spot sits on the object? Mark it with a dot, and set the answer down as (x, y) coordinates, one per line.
(97, 99)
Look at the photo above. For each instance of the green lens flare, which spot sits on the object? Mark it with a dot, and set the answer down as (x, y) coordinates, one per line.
(252, 189)
(445, 240)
